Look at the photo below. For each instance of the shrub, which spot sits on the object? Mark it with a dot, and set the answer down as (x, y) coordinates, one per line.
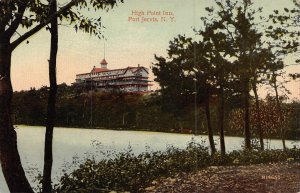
(128, 172)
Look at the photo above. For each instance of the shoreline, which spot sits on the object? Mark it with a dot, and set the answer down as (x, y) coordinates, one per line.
(148, 130)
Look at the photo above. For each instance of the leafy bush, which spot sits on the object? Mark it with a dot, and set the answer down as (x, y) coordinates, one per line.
(128, 172)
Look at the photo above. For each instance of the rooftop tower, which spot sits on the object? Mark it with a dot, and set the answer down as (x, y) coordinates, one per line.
(103, 64)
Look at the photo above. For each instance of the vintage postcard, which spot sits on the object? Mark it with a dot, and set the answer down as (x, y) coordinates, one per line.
(192, 96)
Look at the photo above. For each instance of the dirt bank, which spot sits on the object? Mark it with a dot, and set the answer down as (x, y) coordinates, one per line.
(261, 178)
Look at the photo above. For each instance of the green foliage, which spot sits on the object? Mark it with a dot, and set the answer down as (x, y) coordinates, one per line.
(128, 172)
(257, 156)
(34, 15)
(233, 55)
(137, 112)
(78, 108)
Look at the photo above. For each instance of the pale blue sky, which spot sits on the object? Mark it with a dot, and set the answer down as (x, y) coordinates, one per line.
(128, 44)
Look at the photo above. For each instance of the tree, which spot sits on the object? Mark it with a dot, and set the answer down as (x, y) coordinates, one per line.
(12, 16)
(260, 61)
(284, 41)
(203, 70)
(269, 117)
(191, 77)
(237, 21)
(218, 47)
(48, 156)
(176, 90)
(276, 85)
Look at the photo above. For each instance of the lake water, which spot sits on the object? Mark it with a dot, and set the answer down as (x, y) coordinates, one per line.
(70, 143)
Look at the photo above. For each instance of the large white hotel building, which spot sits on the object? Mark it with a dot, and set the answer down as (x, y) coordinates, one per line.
(130, 79)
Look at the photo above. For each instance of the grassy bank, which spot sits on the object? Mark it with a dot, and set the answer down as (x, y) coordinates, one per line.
(128, 172)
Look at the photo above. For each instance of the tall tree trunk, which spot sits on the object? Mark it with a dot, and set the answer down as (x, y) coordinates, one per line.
(247, 114)
(221, 120)
(282, 130)
(209, 126)
(9, 156)
(259, 128)
(48, 156)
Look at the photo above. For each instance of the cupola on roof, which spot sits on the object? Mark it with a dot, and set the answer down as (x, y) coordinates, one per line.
(103, 61)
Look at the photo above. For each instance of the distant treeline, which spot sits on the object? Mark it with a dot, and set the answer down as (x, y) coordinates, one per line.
(92, 109)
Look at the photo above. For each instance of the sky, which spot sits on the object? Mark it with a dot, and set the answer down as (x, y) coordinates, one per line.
(128, 42)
